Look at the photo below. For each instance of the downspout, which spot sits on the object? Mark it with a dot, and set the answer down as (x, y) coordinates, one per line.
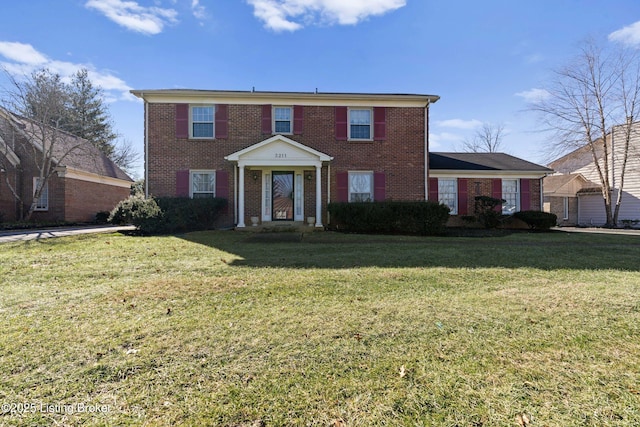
(328, 190)
(426, 151)
(146, 147)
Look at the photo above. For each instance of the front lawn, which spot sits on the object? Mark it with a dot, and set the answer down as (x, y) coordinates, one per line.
(236, 329)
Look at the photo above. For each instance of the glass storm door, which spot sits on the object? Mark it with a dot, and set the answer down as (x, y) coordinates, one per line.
(282, 196)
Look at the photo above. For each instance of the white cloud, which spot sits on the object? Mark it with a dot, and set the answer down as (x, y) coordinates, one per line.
(285, 15)
(21, 52)
(534, 95)
(443, 140)
(459, 123)
(198, 10)
(629, 35)
(129, 14)
(23, 59)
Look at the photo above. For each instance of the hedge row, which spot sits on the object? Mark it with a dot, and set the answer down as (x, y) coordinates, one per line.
(421, 218)
(164, 215)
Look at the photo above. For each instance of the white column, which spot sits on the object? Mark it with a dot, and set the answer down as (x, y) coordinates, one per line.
(241, 198)
(319, 195)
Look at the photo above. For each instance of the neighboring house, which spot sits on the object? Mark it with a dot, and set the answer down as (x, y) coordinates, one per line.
(455, 179)
(85, 180)
(562, 193)
(282, 156)
(586, 193)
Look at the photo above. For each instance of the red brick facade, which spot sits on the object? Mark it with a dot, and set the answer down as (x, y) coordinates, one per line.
(400, 155)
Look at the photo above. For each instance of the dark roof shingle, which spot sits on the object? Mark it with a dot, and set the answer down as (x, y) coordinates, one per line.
(482, 162)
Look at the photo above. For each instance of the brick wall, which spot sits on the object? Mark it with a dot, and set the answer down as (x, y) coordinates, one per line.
(400, 155)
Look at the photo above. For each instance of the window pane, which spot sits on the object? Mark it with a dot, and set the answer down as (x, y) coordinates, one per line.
(283, 127)
(203, 130)
(360, 117)
(203, 184)
(360, 132)
(202, 114)
(510, 195)
(282, 113)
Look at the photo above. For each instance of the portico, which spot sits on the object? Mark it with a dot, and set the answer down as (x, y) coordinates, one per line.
(280, 164)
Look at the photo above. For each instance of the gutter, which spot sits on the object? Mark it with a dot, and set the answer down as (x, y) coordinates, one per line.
(426, 151)
(146, 146)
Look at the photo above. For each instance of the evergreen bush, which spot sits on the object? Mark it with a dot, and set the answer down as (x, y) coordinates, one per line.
(421, 218)
(537, 220)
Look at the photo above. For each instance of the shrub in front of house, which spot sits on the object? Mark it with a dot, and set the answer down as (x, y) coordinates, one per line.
(537, 220)
(421, 218)
(166, 215)
(185, 214)
(487, 211)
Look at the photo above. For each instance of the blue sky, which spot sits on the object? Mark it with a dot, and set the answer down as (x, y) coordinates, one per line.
(484, 59)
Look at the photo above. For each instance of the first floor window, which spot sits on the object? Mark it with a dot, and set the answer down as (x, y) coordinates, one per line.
(360, 186)
(565, 214)
(360, 124)
(202, 120)
(43, 201)
(203, 184)
(448, 194)
(282, 117)
(511, 195)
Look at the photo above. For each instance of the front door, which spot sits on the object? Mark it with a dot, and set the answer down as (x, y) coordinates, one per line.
(283, 195)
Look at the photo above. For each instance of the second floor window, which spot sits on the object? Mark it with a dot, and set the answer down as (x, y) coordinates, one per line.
(360, 124)
(282, 118)
(202, 121)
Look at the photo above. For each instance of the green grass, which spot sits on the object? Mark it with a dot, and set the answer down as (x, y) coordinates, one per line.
(234, 329)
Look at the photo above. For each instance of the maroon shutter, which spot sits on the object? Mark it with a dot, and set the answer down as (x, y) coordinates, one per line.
(379, 186)
(182, 120)
(496, 191)
(525, 194)
(341, 123)
(379, 123)
(463, 200)
(182, 183)
(222, 121)
(433, 189)
(266, 119)
(342, 186)
(222, 184)
(298, 119)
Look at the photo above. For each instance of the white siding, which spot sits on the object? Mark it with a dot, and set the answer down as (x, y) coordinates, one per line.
(591, 210)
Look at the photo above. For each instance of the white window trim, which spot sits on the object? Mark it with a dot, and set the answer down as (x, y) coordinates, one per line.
(41, 207)
(191, 121)
(356, 172)
(273, 120)
(454, 210)
(349, 124)
(197, 171)
(517, 202)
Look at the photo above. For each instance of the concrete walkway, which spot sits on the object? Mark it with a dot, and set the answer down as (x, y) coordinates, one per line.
(618, 231)
(24, 235)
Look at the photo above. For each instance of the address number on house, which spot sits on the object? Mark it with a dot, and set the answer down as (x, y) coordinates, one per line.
(281, 155)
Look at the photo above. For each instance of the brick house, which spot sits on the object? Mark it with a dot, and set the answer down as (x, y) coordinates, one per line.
(84, 182)
(455, 179)
(282, 156)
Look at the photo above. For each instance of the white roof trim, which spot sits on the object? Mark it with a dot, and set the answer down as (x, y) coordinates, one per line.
(80, 175)
(6, 151)
(278, 151)
(441, 173)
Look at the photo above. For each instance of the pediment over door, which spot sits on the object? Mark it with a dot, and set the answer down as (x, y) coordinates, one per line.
(279, 151)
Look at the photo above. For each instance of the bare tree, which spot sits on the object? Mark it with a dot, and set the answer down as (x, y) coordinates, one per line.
(487, 139)
(586, 98)
(43, 98)
(125, 156)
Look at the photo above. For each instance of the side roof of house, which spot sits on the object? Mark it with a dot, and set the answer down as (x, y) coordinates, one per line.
(567, 185)
(69, 150)
(499, 162)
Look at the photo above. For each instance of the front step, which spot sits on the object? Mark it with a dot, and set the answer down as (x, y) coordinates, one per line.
(280, 227)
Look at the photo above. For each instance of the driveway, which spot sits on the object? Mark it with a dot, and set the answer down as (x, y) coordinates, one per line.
(24, 235)
(618, 231)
